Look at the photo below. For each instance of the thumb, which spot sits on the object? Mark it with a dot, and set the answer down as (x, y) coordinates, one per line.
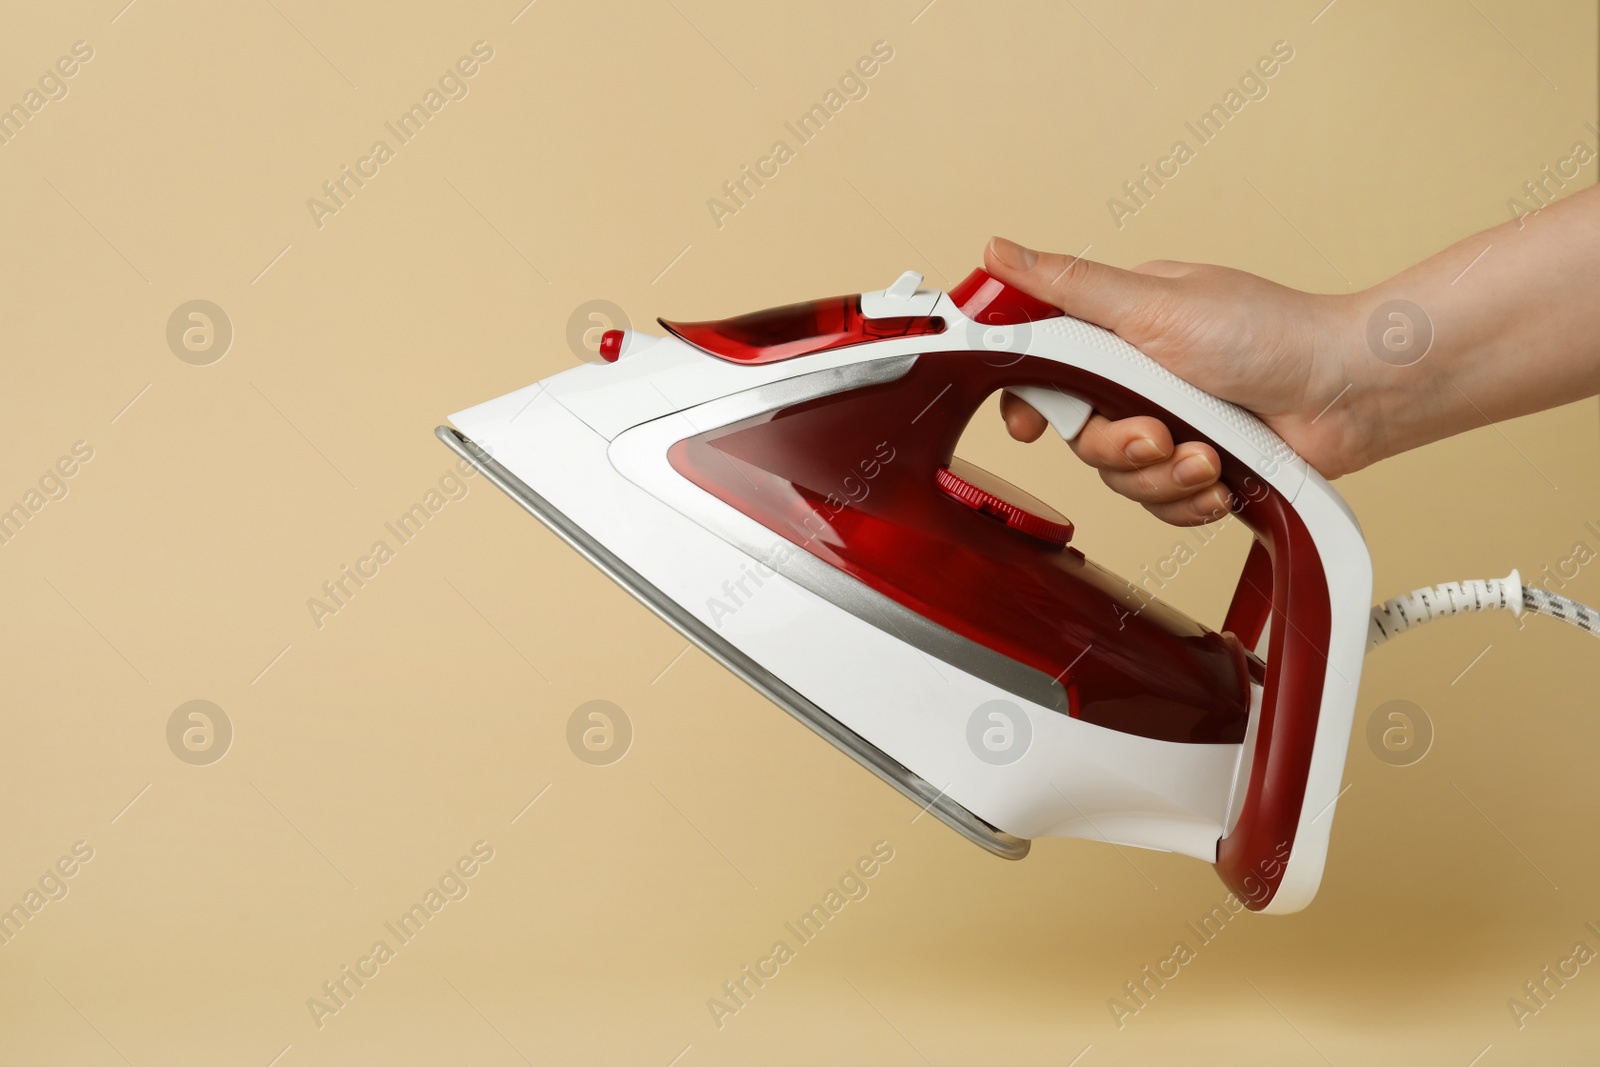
(1084, 289)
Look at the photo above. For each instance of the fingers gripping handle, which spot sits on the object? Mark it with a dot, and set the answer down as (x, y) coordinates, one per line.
(1029, 325)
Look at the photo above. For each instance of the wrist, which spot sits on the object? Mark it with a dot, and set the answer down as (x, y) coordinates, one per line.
(1340, 425)
(1381, 374)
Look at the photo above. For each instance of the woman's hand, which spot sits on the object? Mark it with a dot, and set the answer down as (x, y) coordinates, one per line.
(1505, 323)
(1274, 350)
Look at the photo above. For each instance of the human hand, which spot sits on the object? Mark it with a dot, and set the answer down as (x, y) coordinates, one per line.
(1279, 352)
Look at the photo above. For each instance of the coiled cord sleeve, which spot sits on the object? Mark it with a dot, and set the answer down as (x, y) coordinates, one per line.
(1403, 613)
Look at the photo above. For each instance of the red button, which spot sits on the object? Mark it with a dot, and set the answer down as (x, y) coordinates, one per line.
(983, 492)
(984, 298)
(611, 345)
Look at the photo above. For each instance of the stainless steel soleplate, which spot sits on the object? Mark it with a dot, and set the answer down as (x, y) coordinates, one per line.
(915, 788)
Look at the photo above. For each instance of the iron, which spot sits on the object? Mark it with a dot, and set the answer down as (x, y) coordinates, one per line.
(782, 488)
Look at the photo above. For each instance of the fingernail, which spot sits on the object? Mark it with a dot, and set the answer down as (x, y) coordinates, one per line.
(1012, 254)
(1194, 470)
(1213, 503)
(1144, 450)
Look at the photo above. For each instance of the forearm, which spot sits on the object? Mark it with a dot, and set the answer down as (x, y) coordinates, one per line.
(1515, 319)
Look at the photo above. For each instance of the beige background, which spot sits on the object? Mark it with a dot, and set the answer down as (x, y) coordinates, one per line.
(371, 753)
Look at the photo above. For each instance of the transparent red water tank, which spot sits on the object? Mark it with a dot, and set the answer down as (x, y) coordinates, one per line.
(799, 330)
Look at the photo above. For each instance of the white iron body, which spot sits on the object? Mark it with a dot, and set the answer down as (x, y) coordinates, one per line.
(591, 444)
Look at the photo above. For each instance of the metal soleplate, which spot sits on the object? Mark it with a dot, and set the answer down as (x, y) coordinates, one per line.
(915, 788)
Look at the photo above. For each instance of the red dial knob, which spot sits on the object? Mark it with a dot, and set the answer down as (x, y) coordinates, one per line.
(611, 345)
(983, 492)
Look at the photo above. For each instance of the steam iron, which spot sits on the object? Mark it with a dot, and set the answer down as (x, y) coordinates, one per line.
(782, 488)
